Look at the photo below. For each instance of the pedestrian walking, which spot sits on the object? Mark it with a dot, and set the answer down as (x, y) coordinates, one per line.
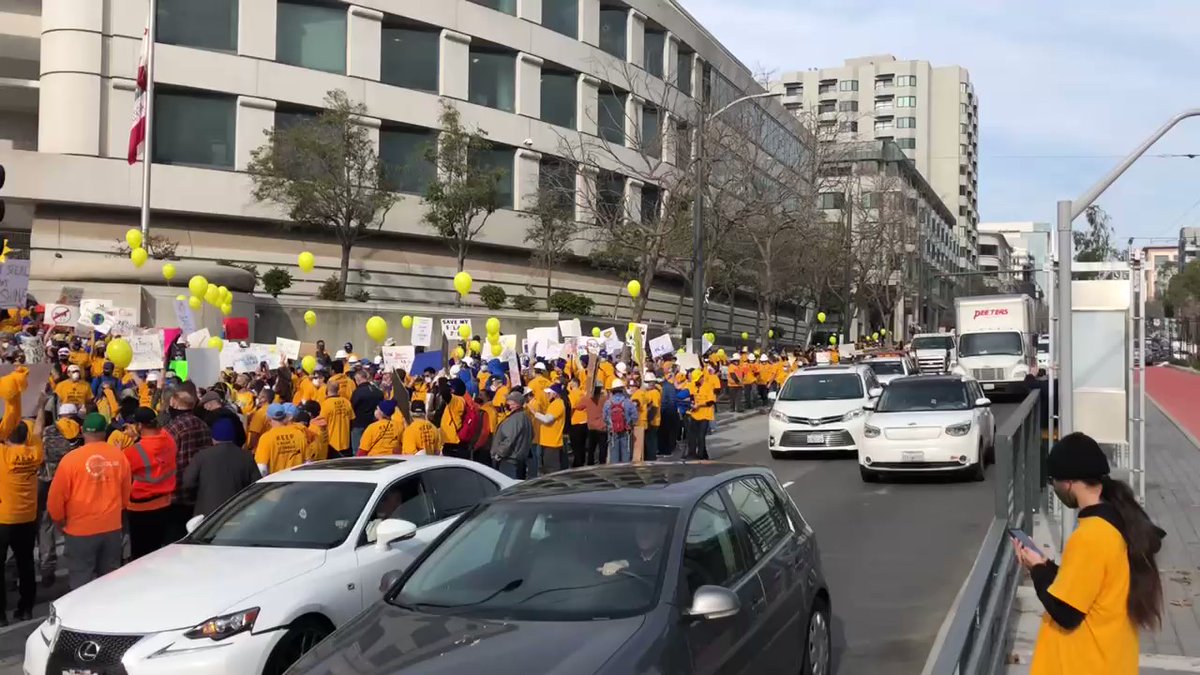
(620, 413)
(87, 496)
(219, 471)
(153, 462)
(20, 460)
(190, 435)
(512, 443)
(58, 439)
(549, 456)
(1108, 585)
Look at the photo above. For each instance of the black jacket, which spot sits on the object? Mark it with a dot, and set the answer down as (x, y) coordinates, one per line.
(217, 473)
(364, 401)
(210, 418)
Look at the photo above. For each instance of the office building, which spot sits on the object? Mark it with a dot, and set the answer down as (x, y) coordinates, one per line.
(1160, 264)
(1189, 246)
(996, 255)
(1031, 245)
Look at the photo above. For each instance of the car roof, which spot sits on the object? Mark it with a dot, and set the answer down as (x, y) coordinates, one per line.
(932, 379)
(676, 484)
(378, 469)
(840, 368)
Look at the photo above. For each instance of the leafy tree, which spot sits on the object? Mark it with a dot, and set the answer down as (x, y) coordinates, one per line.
(493, 296)
(276, 280)
(1095, 244)
(566, 302)
(523, 303)
(1183, 292)
(464, 193)
(327, 175)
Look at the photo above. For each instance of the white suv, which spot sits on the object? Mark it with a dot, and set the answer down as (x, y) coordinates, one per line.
(821, 408)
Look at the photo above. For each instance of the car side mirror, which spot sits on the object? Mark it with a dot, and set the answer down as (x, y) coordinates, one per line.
(771, 396)
(193, 523)
(393, 529)
(389, 579)
(875, 392)
(714, 602)
(983, 402)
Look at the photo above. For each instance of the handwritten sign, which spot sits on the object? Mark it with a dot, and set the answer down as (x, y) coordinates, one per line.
(450, 328)
(661, 345)
(198, 339)
(400, 356)
(422, 331)
(124, 321)
(570, 328)
(288, 349)
(539, 339)
(147, 351)
(60, 315)
(14, 283)
(265, 353)
(184, 317)
(70, 296)
(203, 366)
(688, 362)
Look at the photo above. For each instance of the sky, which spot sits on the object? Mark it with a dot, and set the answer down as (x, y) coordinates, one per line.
(1066, 89)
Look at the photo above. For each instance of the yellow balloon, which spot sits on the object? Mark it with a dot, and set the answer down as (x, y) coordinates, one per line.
(634, 287)
(309, 363)
(833, 339)
(139, 256)
(213, 295)
(306, 261)
(119, 351)
(181, 298)
(497, 349)
(493, 326)
(596, 331)
(874, 336)
(476, 347)
(198, 285)
(133, 237)
(223, 291)
(820, 317)
(227, 309)
(464, 331)
(758, 352)
(215, 342)
(195, 303)
(377, 328)
(458, 352)
(494, 338)
(745, 335)
(310, 318)
(721, 353)
(406, 321)
(168, 271)
(883, 331)
(770, 333)
(462, 283)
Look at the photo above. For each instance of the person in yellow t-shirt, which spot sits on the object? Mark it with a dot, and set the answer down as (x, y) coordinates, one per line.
(344, 382)
(452, 420)
(338, 413)
(650, 396)
(311, 388)
(1108, 584)
(537, 386)
(20, 460)
(382, 437)
(257, 423)
(74, 389)
(420, 437)
(700, 415)
(734, 382)
(577, 426)
(548, 455)
(283, 446)
(315, 433)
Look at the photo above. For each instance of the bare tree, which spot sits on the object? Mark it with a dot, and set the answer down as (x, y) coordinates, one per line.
(552, 228)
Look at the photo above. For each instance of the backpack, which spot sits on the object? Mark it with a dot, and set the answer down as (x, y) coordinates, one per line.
(617, 422)
(472, 424)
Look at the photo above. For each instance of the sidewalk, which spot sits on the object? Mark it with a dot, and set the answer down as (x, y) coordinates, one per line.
(1173, 502)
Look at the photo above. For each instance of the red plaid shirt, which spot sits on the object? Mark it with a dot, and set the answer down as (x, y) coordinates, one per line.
(191, 435)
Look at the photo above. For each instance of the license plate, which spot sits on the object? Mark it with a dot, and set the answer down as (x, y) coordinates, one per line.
(816, 439)
(912, 456)
(989, 387)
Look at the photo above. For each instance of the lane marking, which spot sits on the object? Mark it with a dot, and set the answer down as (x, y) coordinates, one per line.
(789, 484)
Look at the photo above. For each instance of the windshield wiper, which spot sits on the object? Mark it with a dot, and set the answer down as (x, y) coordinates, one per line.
(510, 586)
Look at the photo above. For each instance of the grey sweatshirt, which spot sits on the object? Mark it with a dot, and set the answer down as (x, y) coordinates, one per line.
(513, 438)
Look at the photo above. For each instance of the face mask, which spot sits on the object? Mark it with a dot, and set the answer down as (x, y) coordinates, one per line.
(74, 377)
(316, 382)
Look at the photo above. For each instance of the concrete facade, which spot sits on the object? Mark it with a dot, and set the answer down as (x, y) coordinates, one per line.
(995, 255)
(67, 87)
(1030, 243)
(1160, 263)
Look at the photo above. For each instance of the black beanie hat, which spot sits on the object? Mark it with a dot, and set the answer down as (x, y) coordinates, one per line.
(1077, 456)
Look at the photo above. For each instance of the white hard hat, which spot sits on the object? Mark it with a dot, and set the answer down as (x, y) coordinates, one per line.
(736, 357)
(621, 367)
(617, 383)
(67, 409)
(649, 377)
(539, 366)
(454, 370)
(763, 357)
(341, 354)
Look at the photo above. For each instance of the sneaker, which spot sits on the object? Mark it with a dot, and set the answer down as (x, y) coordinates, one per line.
(22, 615)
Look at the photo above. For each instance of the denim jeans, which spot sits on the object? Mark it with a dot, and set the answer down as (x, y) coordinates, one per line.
(533, 463)
(509, 468)
(620, 448)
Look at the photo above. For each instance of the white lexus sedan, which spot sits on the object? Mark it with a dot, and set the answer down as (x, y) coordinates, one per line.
(272, 572)
(820, 408)
(932, 423)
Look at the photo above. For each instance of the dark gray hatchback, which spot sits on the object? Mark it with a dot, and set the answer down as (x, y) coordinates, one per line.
(623, 569)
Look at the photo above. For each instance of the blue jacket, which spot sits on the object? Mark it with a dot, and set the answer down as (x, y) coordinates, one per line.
(622, 399)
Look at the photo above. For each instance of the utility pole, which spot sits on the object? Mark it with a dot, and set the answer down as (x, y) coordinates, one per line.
(848, 208)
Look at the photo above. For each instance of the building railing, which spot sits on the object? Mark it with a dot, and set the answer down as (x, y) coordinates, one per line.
(973, 640)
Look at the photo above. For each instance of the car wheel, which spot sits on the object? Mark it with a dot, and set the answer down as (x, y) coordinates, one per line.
(303, 635)
(975, 472)
(868, 476)
(818, 647)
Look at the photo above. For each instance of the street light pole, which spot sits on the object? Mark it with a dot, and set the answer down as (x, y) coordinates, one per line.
(698, 158)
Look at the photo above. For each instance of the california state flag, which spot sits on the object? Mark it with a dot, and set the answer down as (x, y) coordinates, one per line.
(137, 132)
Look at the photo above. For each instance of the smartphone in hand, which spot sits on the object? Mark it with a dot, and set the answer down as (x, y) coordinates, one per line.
(1025, 541)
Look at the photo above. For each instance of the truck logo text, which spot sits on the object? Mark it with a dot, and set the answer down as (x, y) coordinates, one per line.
(1003, 311)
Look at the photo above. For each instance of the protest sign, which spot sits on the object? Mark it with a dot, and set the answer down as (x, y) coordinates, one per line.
(550, 351)
(197, 339)
(288, 349)
(180, 368)
(661, 345)
(61, 315)
(509, 342)
(539, 338)
(265, 353)
(147, 351)
(705, 345)
(401, 356)
(570, 328)
(203, 366)
(609, 333)
(823, 358)
(422, 331)
(124, 321)
(70, 296)
(688, 361)
(184, 317)
(514, 368)
(96, 314)
(638, 338)
(308, 349)
(170, 335)
(427, 359)
(450, 328)
(14, 283)
(586, 344)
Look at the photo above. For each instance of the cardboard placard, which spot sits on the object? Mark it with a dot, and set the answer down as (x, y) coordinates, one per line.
(61, 315)
(203, 366)
(265, 353)
(180, 368)
(184, 317)
(170, 335)
(509, 342)
(198, 339)
(236, 328)
(14, 283)
(638, 339)
(450, 328)
(551, 351)
(688, 362)
(288, 349)
(308, 349)
(147, 351)
(124, 321)
(570, 328)
(70, 296)
(823, 358)
(427, 360)
(422, 331)
(661, 345)
(538, 339)
(96, 315)
(400, 356)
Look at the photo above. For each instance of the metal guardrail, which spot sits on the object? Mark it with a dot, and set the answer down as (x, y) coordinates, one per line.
(972, 641)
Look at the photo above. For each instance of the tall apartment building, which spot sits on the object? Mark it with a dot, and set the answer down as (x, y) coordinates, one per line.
(931, 112)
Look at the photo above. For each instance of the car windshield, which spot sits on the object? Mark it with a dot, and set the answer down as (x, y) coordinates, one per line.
(1043, 347)
(886, 367)
(908, 396)
(990, 344)
(537, 561)
(933, 342)
(300, 514)
(821, 387)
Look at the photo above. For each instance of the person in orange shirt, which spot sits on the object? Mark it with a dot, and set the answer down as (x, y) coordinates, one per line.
(74, 389)
(283, 446)
(20, 460)
(452, 418)
(152, 471)
(735, 383)
(699, 416)
(256, 422)
(382, 437)
(338, 414)
(548, 455)
(652, 397)
(577, 427)
(420, 437)
(89, 491)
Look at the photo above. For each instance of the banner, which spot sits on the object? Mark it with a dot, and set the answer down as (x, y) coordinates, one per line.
(184, 317)
(401, 356)
(198, 339)
(570, 328)
(70, 296)
(688, 362)
(61, 315)
(638, 339)
(14, 283)
(288, 349)
(147, 351)
(509, 342)
(450, 328)
(427, 359)
(661, 345)
(422, 331)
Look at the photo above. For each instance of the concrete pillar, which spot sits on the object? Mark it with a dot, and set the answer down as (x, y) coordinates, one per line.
(587, 104)
(585, 193)
(256, 28)
(633, 200)
(69, 91)
(589, 22)
(455, 62)
(697, 78)
(670, 58)
(633, 121)
(670, 139)
(635, 38)
(530, 10)
(529, 85)
(526, 181)
(372, 124)
(364, 33)
(254, 116)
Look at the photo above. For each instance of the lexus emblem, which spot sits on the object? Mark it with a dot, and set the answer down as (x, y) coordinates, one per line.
(88, 651)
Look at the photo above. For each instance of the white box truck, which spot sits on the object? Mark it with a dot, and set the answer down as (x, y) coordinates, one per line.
(997, 341)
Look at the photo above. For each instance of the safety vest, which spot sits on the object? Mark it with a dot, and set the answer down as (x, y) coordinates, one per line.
(157, 477)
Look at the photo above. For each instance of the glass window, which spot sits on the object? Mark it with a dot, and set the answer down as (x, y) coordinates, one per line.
(761, 512)
(610, 197)
(561, 16)
(612, 31)
(403, 151)
(918, 395)
(409, 58)
(211, 24)
(883, 125)
(906, 101)
(300, 514)
(847, 106)
(831, 200)
(556, 180)
(651, 139)
(559, 93)
(886, 367)
(793, 90)
(870, 200)
(407, 499)
(822, 387)
(906, 123)
(711, 556)
(287, 118)
(492, 79)
(883, 105)
(848, 85)
(655, 44)
(651, 203)
(848, 126)
(506, 6)
(826, 107)
(194, 129)
(990, 344)
(906, 80)
(611, 109)
(500, 161)
(457, 490)
(906, 143)
(683, 72)
(311, 36)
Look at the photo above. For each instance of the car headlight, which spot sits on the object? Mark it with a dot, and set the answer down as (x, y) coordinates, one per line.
(778, 416)
(870, 431)
(959, 429)
(221, 627)
(857, 412)
(49, 627)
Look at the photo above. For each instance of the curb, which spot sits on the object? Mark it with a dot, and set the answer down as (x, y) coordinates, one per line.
(1171, 418)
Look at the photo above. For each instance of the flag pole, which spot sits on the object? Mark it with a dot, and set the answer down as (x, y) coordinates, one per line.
(148, 142)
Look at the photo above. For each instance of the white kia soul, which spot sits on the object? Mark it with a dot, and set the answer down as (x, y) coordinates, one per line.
(821, 409)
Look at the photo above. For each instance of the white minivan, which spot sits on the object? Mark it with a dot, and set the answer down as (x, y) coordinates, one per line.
(821, 409)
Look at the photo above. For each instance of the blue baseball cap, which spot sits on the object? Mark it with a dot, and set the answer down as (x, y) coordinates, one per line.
(290, 409)
(276, 412)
